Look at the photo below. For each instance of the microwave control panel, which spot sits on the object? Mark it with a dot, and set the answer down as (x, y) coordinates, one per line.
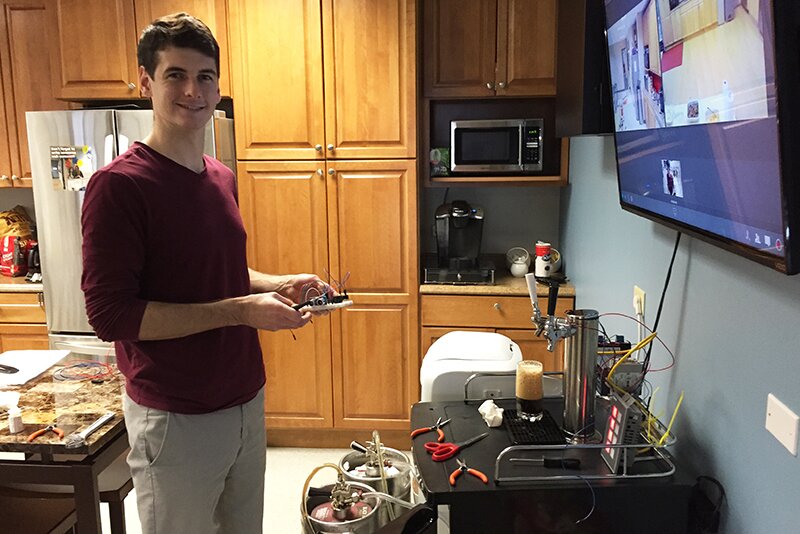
(532, 145)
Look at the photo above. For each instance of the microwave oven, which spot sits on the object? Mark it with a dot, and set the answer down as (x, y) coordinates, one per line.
(508, 146)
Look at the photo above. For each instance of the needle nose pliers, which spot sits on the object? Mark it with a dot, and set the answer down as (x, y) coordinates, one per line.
(462, 466)
(436, 426)
(48, 428)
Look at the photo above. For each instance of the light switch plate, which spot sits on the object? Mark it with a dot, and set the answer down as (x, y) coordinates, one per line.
(783, 423)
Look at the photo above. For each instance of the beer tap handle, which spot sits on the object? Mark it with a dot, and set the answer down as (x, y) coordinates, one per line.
(552, 298)
(530, 279)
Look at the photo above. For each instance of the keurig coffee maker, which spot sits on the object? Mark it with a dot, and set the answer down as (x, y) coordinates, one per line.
(459, 228)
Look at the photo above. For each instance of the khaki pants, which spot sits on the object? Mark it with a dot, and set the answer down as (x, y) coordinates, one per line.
(198, 473)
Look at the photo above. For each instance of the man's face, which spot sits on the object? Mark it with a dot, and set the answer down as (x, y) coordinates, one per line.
(184, 89)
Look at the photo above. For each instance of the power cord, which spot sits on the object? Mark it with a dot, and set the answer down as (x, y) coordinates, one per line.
(661, 302)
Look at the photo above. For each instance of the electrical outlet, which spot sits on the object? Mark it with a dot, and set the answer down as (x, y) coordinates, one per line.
(782, 423)
(638, 300)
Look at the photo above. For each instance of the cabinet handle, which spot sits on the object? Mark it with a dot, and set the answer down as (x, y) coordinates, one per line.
(14, 177)
(501, 85)
(318, 148)
(497, 306)
(331, 148)
(4, 177)
(319, 172)
(331, 171)
(489, 86)
(131, 86)
(40, 297)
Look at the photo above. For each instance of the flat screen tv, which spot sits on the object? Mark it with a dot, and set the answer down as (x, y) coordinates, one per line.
(705, 98)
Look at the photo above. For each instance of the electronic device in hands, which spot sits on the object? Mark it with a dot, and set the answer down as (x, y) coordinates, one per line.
(316, 299)
(324, 303)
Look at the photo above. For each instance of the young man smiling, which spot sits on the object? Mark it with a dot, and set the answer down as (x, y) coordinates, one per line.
(165, 277)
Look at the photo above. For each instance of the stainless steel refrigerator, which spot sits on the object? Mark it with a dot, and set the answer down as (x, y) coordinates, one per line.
(66, 147)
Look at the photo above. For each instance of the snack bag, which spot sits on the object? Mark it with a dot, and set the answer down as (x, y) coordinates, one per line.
(14, 256)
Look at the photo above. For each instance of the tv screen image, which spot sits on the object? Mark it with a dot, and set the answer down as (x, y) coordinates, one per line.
(697, 118)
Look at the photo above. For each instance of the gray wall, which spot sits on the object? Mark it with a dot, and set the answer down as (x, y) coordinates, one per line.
(733, 325)
(514, 216)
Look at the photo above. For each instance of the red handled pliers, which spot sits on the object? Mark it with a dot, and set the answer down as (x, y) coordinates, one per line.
(48, 428)
(462, 466)
(437, 427)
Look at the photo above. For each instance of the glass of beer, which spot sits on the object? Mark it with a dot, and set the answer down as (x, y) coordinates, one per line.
(529, 390)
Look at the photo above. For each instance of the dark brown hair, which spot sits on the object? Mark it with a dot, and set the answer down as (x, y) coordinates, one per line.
(180, 30)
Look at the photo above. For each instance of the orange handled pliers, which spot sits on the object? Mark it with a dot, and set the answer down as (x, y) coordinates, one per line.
(48, 428)
(437, 427)
(462, 466)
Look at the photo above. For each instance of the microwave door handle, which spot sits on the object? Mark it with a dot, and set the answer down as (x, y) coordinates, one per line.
(520, 159)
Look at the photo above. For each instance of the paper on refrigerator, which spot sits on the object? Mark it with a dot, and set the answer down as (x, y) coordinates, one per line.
(31, 363)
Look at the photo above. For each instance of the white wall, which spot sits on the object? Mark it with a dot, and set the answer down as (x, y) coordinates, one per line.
(733, 325)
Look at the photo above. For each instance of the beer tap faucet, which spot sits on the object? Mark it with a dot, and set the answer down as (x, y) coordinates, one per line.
(553, 328)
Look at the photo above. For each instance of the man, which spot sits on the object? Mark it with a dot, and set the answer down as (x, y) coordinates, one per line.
(165, 277)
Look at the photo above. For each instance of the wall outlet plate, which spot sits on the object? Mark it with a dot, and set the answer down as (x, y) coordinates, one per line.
(638, 300)
(782, 423)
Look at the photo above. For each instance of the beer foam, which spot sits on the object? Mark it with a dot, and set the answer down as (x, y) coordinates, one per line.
(529, 380)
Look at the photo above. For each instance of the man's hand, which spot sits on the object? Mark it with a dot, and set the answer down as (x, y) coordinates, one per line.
(271, 311)
(292, 287)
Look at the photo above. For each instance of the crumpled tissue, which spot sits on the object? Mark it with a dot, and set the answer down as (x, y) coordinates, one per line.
(491, 413)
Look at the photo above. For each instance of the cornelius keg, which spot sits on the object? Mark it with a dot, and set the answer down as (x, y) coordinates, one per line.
(342, 508)
(361, 465)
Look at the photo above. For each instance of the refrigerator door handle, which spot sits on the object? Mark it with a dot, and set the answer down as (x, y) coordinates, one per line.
(95, 349)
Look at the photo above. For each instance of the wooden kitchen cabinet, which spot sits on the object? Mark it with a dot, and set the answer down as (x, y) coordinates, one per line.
(361, 51)
(355, 368)
(486, 48)
(507, 315)
(25, 84)
(211, 12)
(93, 55)
(22, 322)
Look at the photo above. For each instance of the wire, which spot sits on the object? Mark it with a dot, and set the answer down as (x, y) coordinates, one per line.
(663, 294)
(594, 501)
(672, 420)
(84, 370)
(672, 356)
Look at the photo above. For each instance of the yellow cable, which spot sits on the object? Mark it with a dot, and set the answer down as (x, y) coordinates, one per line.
(641, 344)
(672, 420)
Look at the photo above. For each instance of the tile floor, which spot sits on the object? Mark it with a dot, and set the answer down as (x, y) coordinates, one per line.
(287, 470)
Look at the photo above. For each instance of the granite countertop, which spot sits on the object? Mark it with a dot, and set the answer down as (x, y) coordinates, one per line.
(72, 405)
(18, 285)
(505, 285)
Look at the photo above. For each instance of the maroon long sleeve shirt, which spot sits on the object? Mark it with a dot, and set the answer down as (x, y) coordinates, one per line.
(154, 230)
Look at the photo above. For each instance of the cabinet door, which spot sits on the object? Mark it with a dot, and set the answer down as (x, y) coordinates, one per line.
(283, 206)
(7, 132)
(372, 224)
(459, 41)
(94, 53)
(26, 79)
(23, 337)
(535, 348)
(376, 378)
(370, 78)
(276, 67)
(211, 12)
(526, 47)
